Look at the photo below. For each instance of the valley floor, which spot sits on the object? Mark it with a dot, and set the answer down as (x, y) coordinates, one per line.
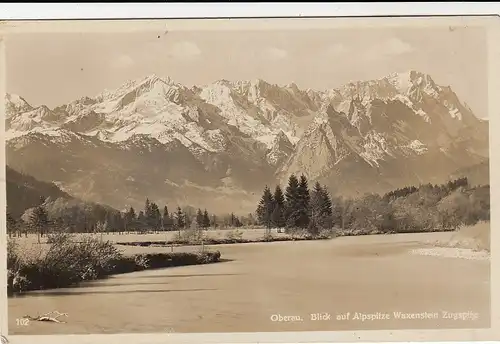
(366, 274)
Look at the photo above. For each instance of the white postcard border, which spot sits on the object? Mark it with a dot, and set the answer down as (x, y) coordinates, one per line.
(492, 23)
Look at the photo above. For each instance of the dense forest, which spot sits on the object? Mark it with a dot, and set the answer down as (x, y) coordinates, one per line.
(39, 207)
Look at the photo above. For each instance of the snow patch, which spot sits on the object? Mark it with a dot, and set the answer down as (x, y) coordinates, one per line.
(169, 182)
(195, 134)
(183, 139)
(216, 138)
(455, 113)
(417, 146)
(401, 81)
(375, 148)
(424, 115)
(432, 90)
(320, 120)
(405, 100)
(450, 252)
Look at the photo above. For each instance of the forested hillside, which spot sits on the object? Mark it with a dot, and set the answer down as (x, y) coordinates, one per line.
(24, 192)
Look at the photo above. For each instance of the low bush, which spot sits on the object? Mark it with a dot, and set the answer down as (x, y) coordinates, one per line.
(234, 235)
(61, 263)
(268, 237)
(190, 236)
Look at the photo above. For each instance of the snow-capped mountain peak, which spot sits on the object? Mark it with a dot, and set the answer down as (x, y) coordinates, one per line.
(411, 82)
(280, 150)
(138, 86)
(15, 104)
(404, 80)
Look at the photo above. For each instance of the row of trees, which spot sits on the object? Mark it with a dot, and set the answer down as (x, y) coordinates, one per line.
(64, 215)
(151, 218)
(441, 190)
(409, 209)
(298, 207)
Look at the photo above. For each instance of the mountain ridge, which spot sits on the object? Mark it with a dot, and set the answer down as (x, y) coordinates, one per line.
(235, 136)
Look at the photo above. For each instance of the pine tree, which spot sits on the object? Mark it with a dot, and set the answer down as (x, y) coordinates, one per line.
(327, 208)
(321, 207)
(130, 219)
(199, 218)
(303, 204)
(38, 221)
(278, 215)
(213, 221)
(292, 202)
(147, 208)
(180, 218)
(61, 225)
(141, 220)
(237, 222)
(316, 202)
(118, 222)
(265, 208)
(251, 219)
(149, 215)
(166, 219)
(155, 216)
(206, 219)
(11, 224)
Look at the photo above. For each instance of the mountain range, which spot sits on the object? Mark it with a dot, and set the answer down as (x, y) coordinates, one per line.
(216, 146)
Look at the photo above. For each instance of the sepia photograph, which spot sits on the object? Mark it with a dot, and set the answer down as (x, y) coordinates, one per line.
(167, 178)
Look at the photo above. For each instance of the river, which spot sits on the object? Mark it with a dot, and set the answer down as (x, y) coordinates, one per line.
(258, 283)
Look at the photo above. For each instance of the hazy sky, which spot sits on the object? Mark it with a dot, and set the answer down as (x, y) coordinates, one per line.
(54, 69)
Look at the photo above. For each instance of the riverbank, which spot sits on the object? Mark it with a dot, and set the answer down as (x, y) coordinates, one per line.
(65, 263)
(192, 238)
(221, 241)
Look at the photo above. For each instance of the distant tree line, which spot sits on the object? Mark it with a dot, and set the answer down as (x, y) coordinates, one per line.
(80, 217)
(152, 219)
(409, 209)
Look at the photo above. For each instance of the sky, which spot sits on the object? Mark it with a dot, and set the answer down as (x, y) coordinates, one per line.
(56, 68)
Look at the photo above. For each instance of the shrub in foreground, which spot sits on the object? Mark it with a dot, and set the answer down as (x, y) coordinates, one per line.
(65, 262)
(62, 263)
